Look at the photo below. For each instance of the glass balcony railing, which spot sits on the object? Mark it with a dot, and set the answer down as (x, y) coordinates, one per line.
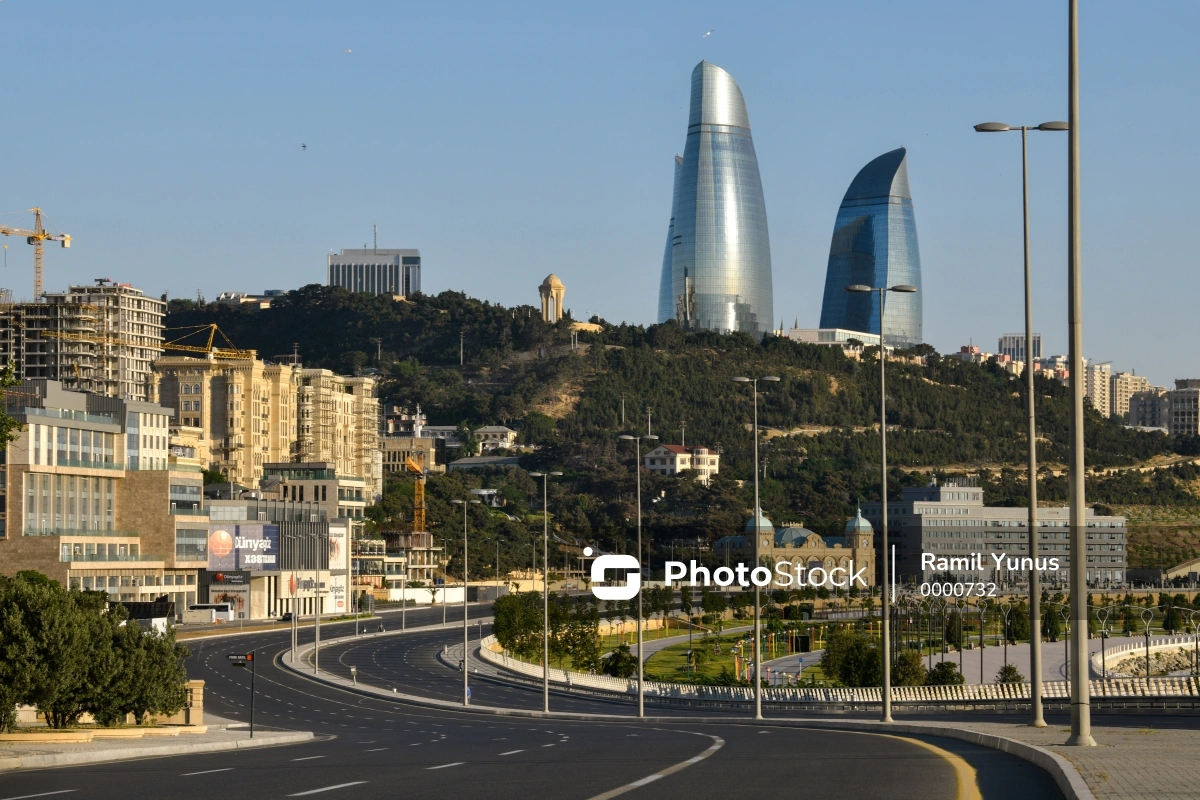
(189, 512)
(63, 413)
(78, 532)
(77, 463)
(105, 557)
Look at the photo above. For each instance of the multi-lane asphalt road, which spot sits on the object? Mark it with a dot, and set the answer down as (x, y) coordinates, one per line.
(368, 747)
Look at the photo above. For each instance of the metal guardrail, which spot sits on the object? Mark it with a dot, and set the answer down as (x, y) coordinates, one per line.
(1111, 693)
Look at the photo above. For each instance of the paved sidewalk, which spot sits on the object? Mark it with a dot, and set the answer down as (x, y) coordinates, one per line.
(1127, 764)
(36, 755)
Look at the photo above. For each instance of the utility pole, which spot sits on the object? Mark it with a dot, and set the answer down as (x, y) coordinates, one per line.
(622, 409)
(649, 413)
(683, 433)
(461, 334)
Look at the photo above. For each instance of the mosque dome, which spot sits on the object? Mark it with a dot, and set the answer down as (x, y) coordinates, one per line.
(858, 525)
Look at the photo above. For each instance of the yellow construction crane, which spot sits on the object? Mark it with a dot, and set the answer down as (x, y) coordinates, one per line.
(207, 348)
(35, 237)
(418, 468)
(97, 338)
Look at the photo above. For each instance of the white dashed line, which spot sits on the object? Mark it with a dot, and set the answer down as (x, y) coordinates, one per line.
(451, 764)
(326, 789)
(206, 772)
(308, 758)
(512, 752)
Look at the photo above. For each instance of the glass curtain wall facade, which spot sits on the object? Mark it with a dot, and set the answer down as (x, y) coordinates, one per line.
(875, 243)
(719, 251)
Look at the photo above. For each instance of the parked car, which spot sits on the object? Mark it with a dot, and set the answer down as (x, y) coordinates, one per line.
(287, 617)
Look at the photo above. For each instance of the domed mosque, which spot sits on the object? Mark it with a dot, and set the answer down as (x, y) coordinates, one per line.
(805, 549)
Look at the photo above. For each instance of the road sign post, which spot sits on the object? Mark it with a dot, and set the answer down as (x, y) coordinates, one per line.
(241, 660)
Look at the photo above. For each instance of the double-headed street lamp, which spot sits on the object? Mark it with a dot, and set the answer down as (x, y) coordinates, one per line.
(545, 476)
(638, 440)
(466, 630)
(754, 550)
(886, 627)
(1035, 584)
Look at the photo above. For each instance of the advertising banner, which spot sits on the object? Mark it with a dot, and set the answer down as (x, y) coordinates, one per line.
(238, 598)
(337, 595)
(337, 548)
(251, 547)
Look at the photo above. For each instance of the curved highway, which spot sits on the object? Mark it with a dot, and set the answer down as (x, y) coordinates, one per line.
(375, 748)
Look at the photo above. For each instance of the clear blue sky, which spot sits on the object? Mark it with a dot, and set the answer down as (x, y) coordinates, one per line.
(507, 142)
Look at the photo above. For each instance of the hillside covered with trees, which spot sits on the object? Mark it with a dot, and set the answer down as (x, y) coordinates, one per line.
(820, 453)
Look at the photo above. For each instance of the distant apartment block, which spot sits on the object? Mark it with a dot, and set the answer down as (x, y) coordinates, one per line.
(671, 459)
(1123, 387)
(102, 339)
(1149, 408)
(377, 271)
(1097, 385)
(1013, 346)
(339, 423)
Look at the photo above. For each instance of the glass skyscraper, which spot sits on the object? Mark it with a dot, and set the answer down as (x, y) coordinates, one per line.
(717, 266)
(875, 243)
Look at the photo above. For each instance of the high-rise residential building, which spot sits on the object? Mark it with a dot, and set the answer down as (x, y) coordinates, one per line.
(1123, 387)
(1097, 383)
(875, 244)
(339, 424)
(245, 410)
(376, 271)
(718, 268)
(96, 494)
(101, 339)
(1013, 346)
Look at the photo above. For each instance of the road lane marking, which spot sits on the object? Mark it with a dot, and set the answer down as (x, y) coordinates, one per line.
(717, 744)
(43, 794)
(451, 764)
(206, 771)
(512, 752)
(326, 788)
(375, 749)
(307, 758)
(968, 784)
(547, 745)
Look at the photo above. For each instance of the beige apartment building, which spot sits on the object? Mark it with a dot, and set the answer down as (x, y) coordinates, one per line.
(95, 496)
(1097, 380)
(101, 339)
(671, 459)
(244, 409)
(339, 424)
(1123, 387)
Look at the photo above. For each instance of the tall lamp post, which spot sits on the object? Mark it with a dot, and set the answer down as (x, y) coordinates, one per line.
(641, 687)
(466, 629)
(545, 476)
(886, 627)
(1035, 583)
(754, 550)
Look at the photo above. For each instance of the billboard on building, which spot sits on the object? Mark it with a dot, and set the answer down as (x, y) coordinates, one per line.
(337, 548)
(237, 596)
(251, 547)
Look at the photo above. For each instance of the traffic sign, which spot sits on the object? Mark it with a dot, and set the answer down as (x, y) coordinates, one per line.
(240, 659)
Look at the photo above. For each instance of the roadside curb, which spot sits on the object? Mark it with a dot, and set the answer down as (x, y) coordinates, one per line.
(1066, 776)
(130, 753)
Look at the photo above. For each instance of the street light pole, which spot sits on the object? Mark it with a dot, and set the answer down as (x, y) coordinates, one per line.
(1081, 711)
(886, 610)
(640, 680)
(754, 550)
(466, 666)
(1036, 719)
(545, 476)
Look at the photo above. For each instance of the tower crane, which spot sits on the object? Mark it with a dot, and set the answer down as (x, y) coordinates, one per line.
(207, 348)
(417, 467)
(35, 237)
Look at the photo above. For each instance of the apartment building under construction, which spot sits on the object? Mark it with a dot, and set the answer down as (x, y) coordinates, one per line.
(339, 424)
(101, 339)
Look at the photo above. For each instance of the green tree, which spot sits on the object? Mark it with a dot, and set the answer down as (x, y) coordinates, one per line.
(944, 673)
(19, 668)
(1051, 624)
(908, 671)
(1009, 674)
(620, 663)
